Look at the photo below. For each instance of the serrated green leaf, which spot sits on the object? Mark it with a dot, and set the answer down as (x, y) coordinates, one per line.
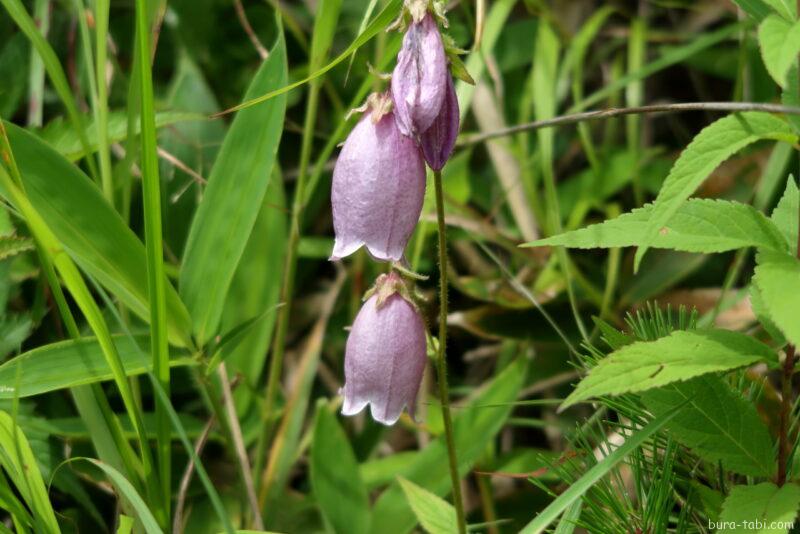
(11, 246)
(700, 225)
(341, 495)
(762, 314)
(785, 214)
(779, 41)
(785, 8)
(679, 356)
(232, 200)
(717, 424)
(71, 363)
(436, 515)
(765, 503)
(777, 276)
(713, 145)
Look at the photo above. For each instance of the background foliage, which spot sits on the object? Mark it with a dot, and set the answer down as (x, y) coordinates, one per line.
(623, 315)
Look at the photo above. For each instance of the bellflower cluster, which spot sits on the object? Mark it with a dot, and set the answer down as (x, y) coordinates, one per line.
(377, 195)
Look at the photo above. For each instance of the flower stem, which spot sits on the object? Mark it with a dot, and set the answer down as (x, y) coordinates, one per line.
(444, 392)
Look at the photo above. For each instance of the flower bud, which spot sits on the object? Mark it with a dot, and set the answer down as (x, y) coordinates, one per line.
(439, 140)
(378, 189)
(385, 354)
(420, 77)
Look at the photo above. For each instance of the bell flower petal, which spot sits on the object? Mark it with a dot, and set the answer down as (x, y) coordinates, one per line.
(419, 80)
(439, 140)
(385, 359)
(378, 190)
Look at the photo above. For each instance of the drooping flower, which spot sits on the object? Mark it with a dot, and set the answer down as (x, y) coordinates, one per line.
(439, 140)
(420, 78)
(378, 187)
(385, 354)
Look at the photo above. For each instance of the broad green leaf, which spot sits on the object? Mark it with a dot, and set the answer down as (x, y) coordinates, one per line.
(717, 424)
(71, 363)
(713, 145)
(785, 8)
(232, 200)
(254, 291)
(598, 471)
(764, 503)
(340, 493)
(785, 214)
(475, 426)
(93, 233)
(126, 490)
(777, 276)
(17, 458)
(75, 427)
(699, 225)
(436, 515)
(681, 355)
(779, 40)
(755, 8)
(62, 138)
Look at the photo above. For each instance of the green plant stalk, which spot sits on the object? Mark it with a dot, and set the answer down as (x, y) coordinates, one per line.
(441, 362)
(95, 79)
(151, 192)
(101, 107)
(41, 9)
(287, 288)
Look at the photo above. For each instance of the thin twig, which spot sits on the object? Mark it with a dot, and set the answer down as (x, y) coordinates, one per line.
(262, 51)
(616, 112)
(238, 443)
(177, 520)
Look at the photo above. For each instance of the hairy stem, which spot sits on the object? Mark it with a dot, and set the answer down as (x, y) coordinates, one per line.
(441, 362)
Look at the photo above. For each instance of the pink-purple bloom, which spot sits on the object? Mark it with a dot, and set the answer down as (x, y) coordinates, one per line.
(378, 189)
(385, 355)
(439, 140)
(420, 78)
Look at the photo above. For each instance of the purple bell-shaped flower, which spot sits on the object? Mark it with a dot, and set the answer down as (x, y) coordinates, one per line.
(378, 187)
(385, 355)
(419, 80)
(439, 140)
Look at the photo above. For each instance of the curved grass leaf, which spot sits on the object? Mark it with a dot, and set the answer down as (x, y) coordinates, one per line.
(232, 200)
(598, 471)
(93, 233)
(127, 491)
(379, 24)
(765, 503)
(340, 493)
(779, 41)
(681, 355)
(474, 428)
(71, 363)
(713, 145)
(777, 276)
(700, 225)
(717, 424)
(17, 458)
(436, 515)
